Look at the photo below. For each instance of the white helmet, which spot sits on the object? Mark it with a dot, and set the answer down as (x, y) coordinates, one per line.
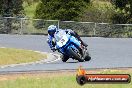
(52, 29)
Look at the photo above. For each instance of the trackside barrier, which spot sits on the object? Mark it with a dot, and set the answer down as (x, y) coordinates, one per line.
(14, 25)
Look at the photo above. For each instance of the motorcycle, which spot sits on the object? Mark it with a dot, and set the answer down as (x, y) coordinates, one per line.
(70, 47)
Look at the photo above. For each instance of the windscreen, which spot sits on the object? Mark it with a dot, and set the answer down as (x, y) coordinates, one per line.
(59, 35)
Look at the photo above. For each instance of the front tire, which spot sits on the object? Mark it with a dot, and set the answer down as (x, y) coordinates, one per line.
(64, 58)
(76, 55)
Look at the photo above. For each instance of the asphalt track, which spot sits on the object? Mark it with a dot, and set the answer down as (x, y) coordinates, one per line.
(105, 53)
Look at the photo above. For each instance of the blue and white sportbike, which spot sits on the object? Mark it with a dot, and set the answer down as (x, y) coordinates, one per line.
(70, 47)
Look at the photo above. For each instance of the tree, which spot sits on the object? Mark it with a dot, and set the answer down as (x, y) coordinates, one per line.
(98, 11)
(1, 2)
(30, 2)
(60, 9)
(124, 11)
(123, 15)
(9, 8)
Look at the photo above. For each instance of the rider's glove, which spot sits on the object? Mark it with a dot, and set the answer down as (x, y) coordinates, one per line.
(53, 49)
(69, 32)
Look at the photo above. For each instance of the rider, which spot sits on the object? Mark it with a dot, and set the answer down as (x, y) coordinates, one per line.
(52, 29)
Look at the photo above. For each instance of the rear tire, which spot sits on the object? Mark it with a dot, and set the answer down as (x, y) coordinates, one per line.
(87, 57)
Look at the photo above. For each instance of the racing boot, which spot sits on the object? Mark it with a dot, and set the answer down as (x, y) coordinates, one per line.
(83, 43)
(81, 50)
(78, 37)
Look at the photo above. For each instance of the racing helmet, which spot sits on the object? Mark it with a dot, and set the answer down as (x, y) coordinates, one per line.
(52, 29)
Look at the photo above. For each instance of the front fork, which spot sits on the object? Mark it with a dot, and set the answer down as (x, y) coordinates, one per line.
(78, 44)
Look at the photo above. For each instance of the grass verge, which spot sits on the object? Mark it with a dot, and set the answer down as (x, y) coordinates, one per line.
(16, 56)
(56, 80)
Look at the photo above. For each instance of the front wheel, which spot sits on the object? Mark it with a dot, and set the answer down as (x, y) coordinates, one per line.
(64, 58)
(76, 54)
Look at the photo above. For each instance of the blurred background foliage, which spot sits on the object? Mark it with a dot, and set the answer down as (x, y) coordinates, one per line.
(110, 11)
(98, 11)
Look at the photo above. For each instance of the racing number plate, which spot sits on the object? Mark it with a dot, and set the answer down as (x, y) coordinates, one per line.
(63, 41)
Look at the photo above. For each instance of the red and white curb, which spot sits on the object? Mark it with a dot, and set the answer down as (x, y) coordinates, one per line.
(50, 59)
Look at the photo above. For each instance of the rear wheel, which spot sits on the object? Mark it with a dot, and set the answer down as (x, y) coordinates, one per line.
(87, 57)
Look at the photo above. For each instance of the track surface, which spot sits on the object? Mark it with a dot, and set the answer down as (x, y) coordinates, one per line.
(105, 52)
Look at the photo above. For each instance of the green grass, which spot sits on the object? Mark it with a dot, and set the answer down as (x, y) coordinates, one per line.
(57, 80)
(16, 56)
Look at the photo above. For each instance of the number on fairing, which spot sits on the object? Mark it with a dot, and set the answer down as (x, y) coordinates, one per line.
(63, 41)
